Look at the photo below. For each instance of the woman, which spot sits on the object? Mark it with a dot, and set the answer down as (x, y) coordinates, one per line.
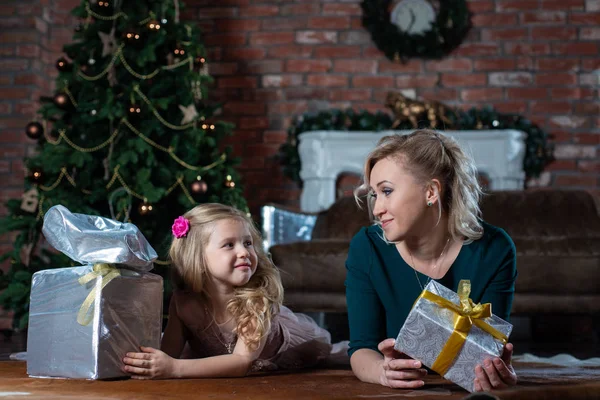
(424, 196)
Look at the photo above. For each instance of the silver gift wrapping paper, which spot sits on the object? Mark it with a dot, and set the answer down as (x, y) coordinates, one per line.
(428, 327)
(281, 226)
(127, 312)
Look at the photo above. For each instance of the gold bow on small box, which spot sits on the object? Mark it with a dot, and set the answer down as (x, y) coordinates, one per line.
(466, 315)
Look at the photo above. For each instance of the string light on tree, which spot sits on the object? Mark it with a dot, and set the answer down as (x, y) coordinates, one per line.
(34, 130)
(36, 175)
(134, 110)
(132, 37)
(199, 61)
(63, 65)
(61, 100)
(102, 3)
(145, 208)
(208, 126)
(154, 25)
(201, 65)
(229, 182)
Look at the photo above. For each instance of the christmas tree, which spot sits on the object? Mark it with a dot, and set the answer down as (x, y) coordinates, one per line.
(127, 135)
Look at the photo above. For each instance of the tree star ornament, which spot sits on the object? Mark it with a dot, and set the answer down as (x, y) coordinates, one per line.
(109, 43)
(189, 113)
(30, 200)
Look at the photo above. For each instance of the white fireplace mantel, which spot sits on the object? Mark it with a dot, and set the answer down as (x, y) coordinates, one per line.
(498, 155)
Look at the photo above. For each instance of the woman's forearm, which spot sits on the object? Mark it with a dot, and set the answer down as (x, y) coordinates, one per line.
(367, 365)
(224, 366)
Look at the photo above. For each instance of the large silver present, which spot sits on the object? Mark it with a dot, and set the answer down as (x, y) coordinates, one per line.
(450, 334)
(83, 320)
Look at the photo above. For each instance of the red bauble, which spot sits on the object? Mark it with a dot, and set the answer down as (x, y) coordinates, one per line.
(61, 100)
(34, 130)
(199, 186)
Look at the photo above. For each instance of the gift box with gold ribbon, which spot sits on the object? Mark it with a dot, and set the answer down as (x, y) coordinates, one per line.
(83, 320)
(450, 334)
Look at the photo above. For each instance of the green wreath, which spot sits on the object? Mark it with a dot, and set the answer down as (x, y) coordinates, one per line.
(441, 26)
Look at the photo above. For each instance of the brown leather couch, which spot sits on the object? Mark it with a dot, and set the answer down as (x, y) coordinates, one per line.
(556, 233)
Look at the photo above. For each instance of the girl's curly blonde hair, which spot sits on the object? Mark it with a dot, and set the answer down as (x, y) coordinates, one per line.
(428, 154)
(254, 304)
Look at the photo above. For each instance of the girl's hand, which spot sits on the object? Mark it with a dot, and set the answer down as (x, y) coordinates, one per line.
(151, 364)
(399, 370)
(496, 373)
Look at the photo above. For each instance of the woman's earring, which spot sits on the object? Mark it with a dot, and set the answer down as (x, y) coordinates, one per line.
(429, 204)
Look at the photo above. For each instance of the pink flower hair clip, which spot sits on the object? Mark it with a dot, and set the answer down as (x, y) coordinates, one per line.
(181, 227)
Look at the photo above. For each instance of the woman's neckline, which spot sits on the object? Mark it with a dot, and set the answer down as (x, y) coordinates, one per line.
(458, 255)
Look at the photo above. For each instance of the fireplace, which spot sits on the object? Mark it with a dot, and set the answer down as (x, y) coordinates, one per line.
(325, 155)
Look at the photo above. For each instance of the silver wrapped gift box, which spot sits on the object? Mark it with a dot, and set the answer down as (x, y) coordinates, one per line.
(433, 329)
(83, 320)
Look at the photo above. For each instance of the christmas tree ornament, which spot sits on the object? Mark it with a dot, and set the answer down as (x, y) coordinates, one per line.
(145, 208)
(61, 100)
(63, 65)
(189, 113)
(91, 146)
(196, 89)
(109, 43)
(34, 130)
(199, 186)
(30, 200)
(153, 25)
(36, 175)
(229, 182)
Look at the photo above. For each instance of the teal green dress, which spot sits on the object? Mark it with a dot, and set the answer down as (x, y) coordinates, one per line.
(381, 287)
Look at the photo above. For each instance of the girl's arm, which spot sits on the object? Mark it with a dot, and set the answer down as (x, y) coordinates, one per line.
(236, 364)
(173, 339)
(155, 364)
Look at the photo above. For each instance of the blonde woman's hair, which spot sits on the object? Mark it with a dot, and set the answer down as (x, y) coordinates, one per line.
(254, 304)
(427, 154)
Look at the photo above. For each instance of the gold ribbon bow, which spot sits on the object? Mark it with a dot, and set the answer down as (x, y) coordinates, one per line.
(108, 272)
(466, 315)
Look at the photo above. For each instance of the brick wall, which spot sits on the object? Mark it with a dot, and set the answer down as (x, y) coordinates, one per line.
(274, 59)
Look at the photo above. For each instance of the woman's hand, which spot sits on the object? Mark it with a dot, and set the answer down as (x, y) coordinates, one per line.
(399, 370)
(496, 373)
(151, 364)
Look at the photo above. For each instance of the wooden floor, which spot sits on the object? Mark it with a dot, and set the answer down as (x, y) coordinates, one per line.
(536, 382)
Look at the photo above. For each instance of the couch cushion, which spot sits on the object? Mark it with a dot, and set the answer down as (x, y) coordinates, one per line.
(318, 265)
(543, 213)
(557, 236)
(342, 220)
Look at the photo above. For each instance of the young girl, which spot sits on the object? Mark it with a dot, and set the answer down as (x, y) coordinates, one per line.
(226, 307)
